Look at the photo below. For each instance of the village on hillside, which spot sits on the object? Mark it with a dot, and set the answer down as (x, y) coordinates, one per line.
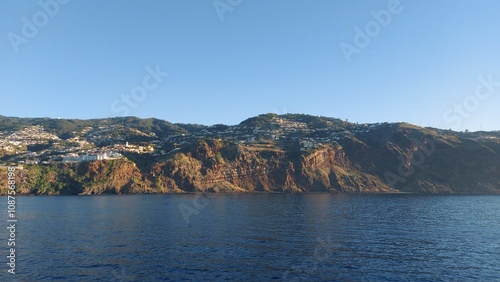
(35, 145)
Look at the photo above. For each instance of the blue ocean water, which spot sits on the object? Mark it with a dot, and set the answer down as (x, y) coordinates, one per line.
(255, 237)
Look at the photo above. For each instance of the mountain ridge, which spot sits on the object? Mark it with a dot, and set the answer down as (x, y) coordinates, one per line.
(267, 153)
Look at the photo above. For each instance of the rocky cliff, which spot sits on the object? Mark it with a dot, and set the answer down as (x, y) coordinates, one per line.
(86, 178)
(397, 157)
(213, 166)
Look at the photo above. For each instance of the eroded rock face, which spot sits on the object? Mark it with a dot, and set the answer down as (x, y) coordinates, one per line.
(396, 158)
(86, 178)
(211, 167)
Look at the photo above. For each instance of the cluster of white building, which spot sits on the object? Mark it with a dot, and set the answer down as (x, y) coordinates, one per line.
(110, 155)
(286, 123)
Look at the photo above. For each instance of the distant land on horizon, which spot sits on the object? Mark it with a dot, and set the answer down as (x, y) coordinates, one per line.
(267, 153)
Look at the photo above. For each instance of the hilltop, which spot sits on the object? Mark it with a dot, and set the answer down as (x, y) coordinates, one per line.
(267, 153)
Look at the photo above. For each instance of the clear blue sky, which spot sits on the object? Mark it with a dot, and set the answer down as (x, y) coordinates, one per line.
(259, 56)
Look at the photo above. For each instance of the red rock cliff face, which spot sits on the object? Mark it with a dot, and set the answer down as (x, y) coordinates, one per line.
(329, 169)
(116, 177)
(213, 168)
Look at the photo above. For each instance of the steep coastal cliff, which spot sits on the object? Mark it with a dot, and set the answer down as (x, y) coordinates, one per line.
(389, 158)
